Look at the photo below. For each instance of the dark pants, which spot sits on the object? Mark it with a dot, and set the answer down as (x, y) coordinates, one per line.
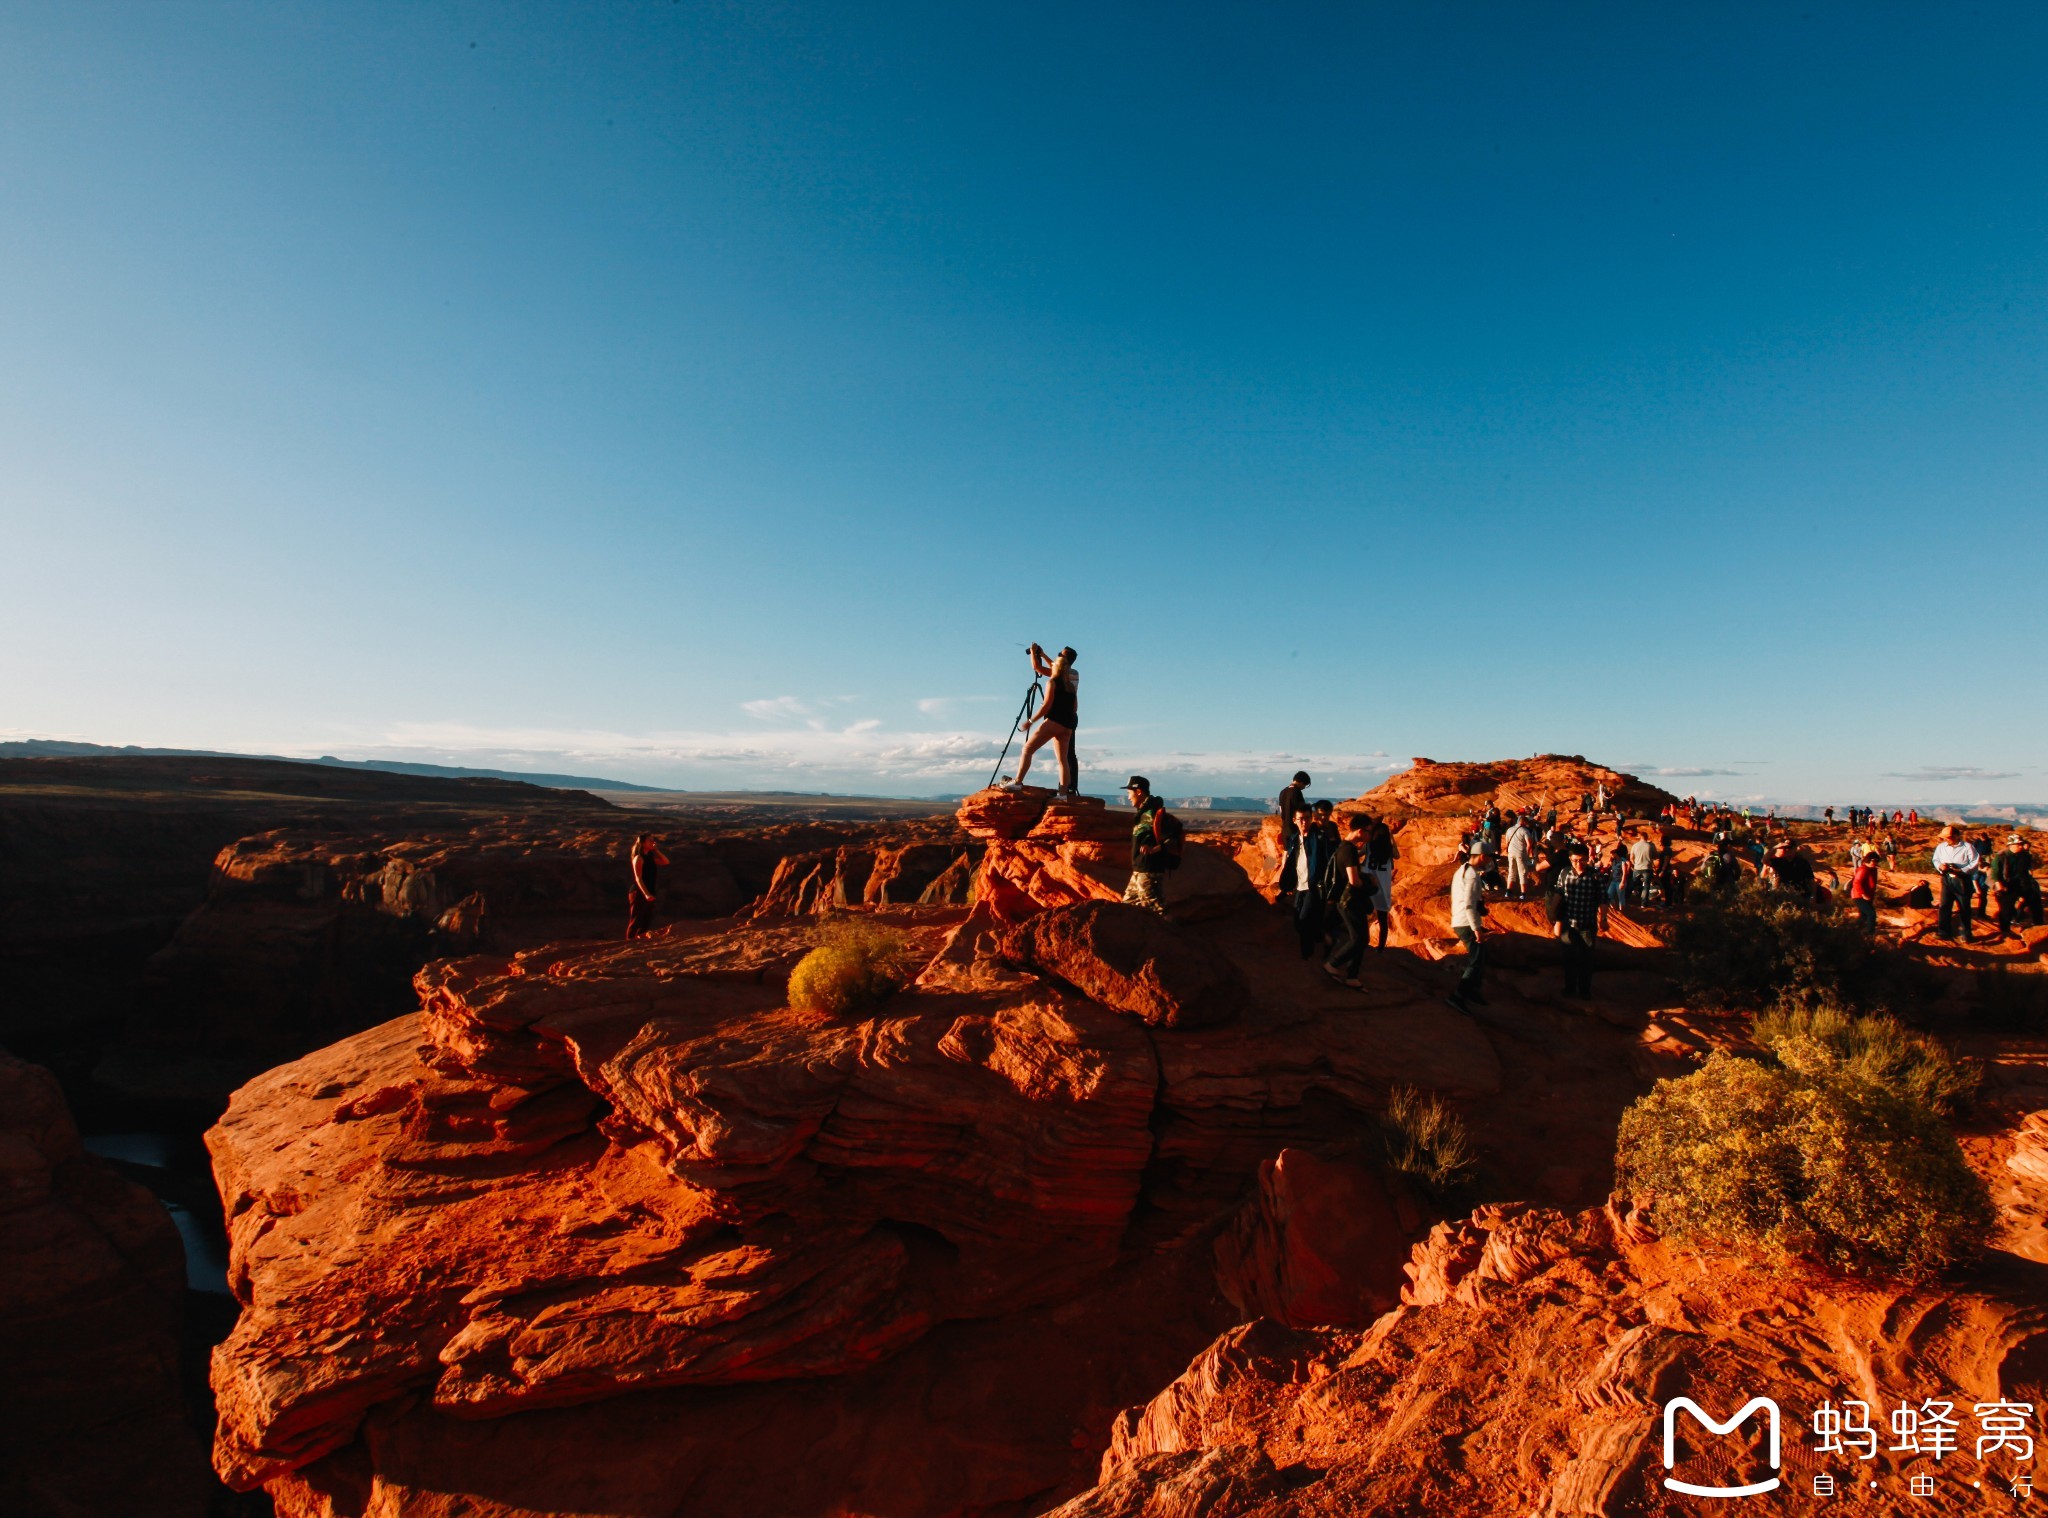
(1955, 899)
(1578, 960)
(1475, 961)
(639, 914)
(2014, 901)
(1866, 916)
(1309, 920)
(1354, 920)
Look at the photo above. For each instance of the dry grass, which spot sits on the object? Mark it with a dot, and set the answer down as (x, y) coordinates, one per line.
(1828, 1043)
(856, 965)
(1428, 1142)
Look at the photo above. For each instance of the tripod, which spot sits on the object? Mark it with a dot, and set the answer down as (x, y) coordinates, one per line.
(1023, 711)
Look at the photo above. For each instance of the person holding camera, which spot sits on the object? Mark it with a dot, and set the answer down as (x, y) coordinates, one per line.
(1057, 717)
(1955, 860)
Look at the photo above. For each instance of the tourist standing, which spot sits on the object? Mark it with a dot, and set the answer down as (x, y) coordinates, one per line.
(1057, 717)
(2013, 886)
(1642, 865)
(1955, 861)
(1291, 805)
(1356, 892)
(1863, 892)
(1583, 901)
(1147, 885)
(645, 861)
(1521, 855)
(1310, 857)
(1380, 855)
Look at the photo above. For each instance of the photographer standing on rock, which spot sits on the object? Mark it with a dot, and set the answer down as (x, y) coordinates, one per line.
(647, 860)
(1057, 717)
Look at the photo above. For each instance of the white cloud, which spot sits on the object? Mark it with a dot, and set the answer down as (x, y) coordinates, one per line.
(1939, 772)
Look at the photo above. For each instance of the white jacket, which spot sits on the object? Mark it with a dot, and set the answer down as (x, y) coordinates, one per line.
(1468, 902)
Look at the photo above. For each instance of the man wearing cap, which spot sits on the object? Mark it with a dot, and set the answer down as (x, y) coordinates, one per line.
(2013, 884)
(1147, 886)
(1584, 900)
(1955, 860)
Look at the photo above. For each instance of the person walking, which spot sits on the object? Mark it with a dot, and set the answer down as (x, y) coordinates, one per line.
(1520, 846)
(1149, 854)
(1057, 717)
(1468, 923)
(1356, 891)
(1580, 915)
(1956, 862)
(1863, 892)
(645, 861)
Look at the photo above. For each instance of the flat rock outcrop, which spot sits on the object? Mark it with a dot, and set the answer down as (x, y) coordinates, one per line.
(92, 1287)
(1131, 960)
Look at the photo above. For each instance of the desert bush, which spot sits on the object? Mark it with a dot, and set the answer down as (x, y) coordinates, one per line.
(1838, 1170)
(1826, 1042)
(1426, 1141)
(856, 965)
(1756, 948)
(2013, 1001)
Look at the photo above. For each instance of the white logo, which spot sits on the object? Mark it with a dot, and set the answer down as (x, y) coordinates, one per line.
(1671, 1445)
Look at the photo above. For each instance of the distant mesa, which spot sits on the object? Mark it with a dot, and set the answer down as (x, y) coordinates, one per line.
(53, 748)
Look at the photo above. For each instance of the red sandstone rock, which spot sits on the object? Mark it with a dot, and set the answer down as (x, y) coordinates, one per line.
(1322, 1242)
(1530, 1375)
(1132, 960)
(92, 1286)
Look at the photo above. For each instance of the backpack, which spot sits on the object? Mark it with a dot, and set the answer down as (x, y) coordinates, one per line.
(1168, 838)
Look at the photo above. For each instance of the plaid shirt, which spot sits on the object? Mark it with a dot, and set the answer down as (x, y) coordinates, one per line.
(1585, 893)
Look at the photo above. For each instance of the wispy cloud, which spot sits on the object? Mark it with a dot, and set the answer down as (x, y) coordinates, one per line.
(1678, 771)
(939, 706)
(1932, 773)
(803, 748)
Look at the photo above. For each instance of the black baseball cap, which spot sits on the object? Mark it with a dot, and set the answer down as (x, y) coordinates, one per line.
(1138, 783)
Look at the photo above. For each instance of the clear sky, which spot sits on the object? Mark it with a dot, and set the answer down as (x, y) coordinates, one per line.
(722, 394)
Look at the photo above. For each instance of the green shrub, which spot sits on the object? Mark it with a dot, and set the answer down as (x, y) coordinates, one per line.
(857, 964)
(1827, 1043)
(1757, 948)
(1834, 1169)
(1426, 1141)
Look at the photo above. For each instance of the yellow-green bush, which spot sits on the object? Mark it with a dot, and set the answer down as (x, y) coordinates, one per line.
(1827, 1042)
(1831, 1168)
(856, 965)
(1427, 1142)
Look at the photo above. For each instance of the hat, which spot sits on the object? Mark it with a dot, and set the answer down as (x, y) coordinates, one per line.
(1578, 846)
(1301, 777)
(1138, 783)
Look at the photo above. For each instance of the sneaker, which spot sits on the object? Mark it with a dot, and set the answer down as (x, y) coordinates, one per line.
(1012, 786)
(1356, 985)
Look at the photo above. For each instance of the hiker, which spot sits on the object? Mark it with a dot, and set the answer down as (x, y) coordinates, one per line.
(1291, 805)
(1580, 912)
(646, 861)
(1642, 866)
(1828, 813)
(1468, 923)
(1521, 855)
(2013, 884)
(1155, 846)
(1356, 890)
(1057, 717)
(1955, 861)
(1318, 830)
(1380, 855)
(1863, 892)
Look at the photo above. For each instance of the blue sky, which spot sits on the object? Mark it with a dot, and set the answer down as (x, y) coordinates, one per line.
(721, 395)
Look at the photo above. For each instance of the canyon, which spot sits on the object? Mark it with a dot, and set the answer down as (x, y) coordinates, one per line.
(1093, 1216)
